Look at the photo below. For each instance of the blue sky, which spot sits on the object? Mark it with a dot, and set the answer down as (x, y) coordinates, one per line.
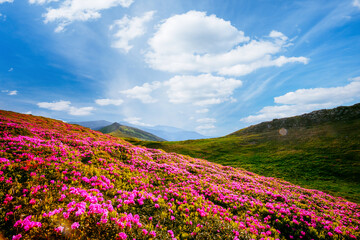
(208, 66)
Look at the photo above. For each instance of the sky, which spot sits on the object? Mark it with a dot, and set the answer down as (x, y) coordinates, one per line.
(211, 66)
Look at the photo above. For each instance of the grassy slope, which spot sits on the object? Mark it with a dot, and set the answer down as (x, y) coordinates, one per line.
(122, 131)
(60, 181)
(325, 157)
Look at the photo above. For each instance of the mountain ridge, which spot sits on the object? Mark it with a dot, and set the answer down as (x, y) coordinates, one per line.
(118, 130)
(165, 132)
(323, 155)
(341, 113)
(94, 125)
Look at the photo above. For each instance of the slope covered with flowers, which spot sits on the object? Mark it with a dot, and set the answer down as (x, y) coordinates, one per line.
(59, 181)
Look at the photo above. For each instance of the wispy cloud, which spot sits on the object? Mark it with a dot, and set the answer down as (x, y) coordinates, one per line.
(4, 1)
(41, 1)
(306, 100)
(143, 92)
(107, 101)
(127, 29)
(78, 10)
(191, 42)
(356, 3)
(206, 120)
(137, 121)
(11, 69)
(66, 106)
(204, 110)
(205, 128)
(10, 93)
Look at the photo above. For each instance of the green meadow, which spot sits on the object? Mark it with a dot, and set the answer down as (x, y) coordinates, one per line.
(324, 157)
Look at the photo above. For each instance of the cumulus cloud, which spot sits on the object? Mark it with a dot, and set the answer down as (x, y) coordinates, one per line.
(66, 106)
(127, 29)
(4, 1)
(201, 90)
(191, 42)
(307, 100)
(107, 101)
(137, 121)
(356, 3)
(79, 10)
(143, 92)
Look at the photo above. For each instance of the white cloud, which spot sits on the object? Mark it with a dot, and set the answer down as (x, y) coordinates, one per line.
(307, 100)
(79, 10)
(355, 79)
(10, 93)
(41, 1)
(204, 110)
(107, 101)
(205, 128)
(137, 121)
(66, 106)
(191, 42)
(56, 106)
(28, 112)
(11, 69)
(13, 93)
(126, 29)
(206, 120)
(4, 1)
(356, 3)
(321, 95)
(142, 92)
(80, 111)
(201, 90)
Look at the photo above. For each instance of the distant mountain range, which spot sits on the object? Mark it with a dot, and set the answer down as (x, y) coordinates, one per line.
(118, 130)
(94, 125)
(319, 150)
(165, 133)
(173, 133)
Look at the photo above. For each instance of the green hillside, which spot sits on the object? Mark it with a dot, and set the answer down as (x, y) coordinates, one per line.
(321, 150)
(62, 181)
(122, 131)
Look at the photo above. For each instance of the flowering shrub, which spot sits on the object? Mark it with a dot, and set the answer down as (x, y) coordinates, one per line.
(60, 181)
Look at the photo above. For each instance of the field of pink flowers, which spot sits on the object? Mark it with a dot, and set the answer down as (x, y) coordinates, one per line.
(60, 181)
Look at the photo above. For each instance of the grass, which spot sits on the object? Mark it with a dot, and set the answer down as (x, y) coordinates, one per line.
(122, 131)
(325, 157)
(61, 181)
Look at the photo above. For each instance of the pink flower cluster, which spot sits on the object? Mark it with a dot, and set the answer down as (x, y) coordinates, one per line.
(70, 178)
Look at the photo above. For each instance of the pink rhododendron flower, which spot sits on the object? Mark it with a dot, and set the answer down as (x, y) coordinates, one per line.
(122, 235)
(59, 229)
(17, 237)
(75, 225)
